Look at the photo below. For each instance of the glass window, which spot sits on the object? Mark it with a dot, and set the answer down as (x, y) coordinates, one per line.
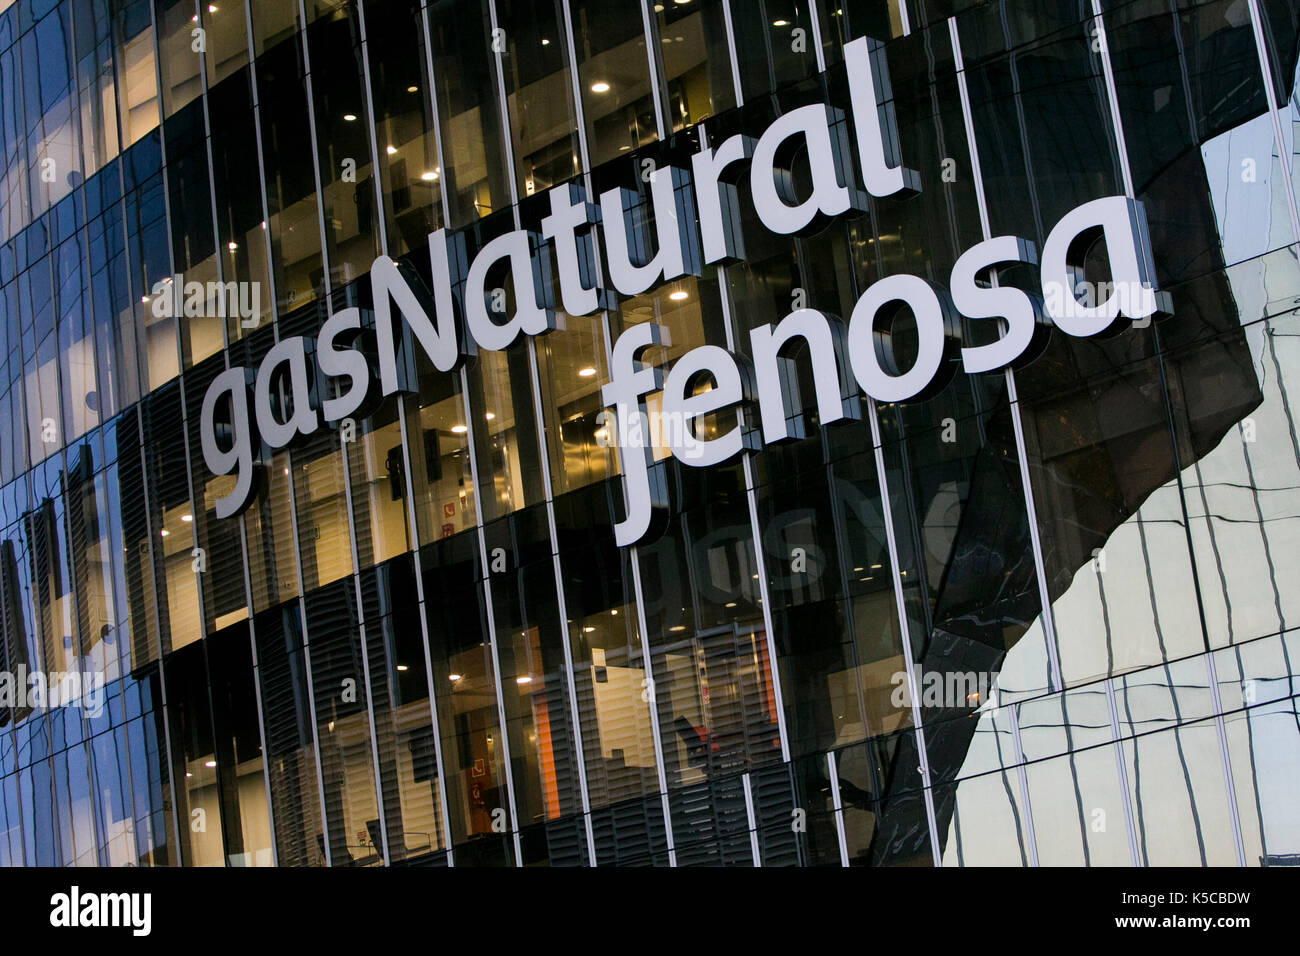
(614, 77)
(95, 83)
(290, 751)
(378, 487)
(237, 742)
(343, 727)
(268, 526)
(343, 145)
(405, 135)
(404, 738)
(180, 40)
(226, 39)
(539, 96)
(694, 60)
(137, 79)
(241, 226)
(468, 112)
(775, 45)
(294, 221)
(465, 689)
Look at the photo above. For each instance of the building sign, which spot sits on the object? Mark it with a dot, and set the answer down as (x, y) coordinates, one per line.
(696, 223)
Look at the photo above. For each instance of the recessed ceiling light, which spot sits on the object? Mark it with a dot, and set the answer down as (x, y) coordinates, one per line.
(391, 150)
(402, 667)
(588, 629)
(412, 89)
(350, 117)
(209, 763)
(523, 680)
(679, 627)
(212, 8)
(458, 429)
(163, 533)
(490, 416)
(429, 176)
(681, 295)
(600, 86)
(232, 246)
(780, 23)
(187, 517)
(545, 42)
(614, 612)
(453, 677)
(587, 372)
(144, 298)
(731, 604)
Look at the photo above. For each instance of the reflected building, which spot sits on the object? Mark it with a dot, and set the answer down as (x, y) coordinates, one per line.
(421, 645)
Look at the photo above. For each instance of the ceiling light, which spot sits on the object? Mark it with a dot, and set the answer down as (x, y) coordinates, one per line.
(453, 677)
(212, 8)
(458, 429)
(490, 416)
(679, 627)
(187, 517)
(681, 295)
(163, 533)
(588, 629)
(586, 372)
(232, 246)
(731, 604)
(391, 150)
(523, 680)
(402, 667)
(144, 298)
(545, 42)
(429, 176)
(350, 117)
(600, 86)
(209, 763)
(780, 23)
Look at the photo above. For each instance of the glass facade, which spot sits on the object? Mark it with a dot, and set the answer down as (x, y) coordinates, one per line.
(1039, 618)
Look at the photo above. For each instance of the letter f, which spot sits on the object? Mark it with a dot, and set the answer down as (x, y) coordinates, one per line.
(631, 381)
